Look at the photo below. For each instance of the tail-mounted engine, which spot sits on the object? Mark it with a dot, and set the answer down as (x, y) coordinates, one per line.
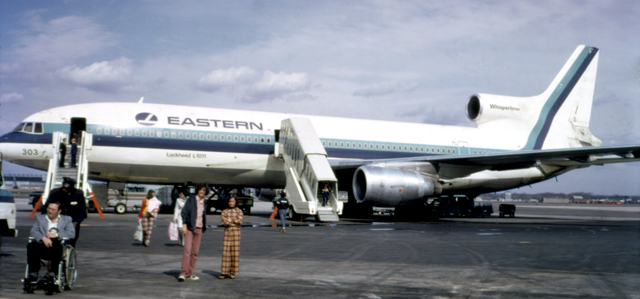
(390, 187)
(482, 108)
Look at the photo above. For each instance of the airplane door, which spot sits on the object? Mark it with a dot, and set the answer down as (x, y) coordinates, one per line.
(77, 126)
(463, 148)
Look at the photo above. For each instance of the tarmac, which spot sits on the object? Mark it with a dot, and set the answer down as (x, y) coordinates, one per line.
(546, 251)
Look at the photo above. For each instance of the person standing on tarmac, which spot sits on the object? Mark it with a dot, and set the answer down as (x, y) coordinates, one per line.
(72, 203)
(282, 204)
(194, 223)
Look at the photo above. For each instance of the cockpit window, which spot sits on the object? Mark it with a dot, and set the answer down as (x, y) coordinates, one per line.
(28, 128)
(19, 127)
(38, 128)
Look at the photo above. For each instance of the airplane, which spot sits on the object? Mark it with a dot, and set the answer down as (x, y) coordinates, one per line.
(517, 141)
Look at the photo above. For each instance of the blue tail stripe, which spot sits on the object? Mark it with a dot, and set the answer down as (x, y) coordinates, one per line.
(557, 98)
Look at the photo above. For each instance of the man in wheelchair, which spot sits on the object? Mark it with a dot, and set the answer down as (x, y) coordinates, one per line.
(50, 233)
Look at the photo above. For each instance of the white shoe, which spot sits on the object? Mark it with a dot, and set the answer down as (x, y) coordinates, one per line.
(193, 277)
(181, 278)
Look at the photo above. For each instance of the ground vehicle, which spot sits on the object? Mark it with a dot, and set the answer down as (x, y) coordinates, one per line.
(7, 210)
(219, 199)
(507, 209)
(457, 206)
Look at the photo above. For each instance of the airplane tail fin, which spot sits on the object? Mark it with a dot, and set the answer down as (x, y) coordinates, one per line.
(564, 118)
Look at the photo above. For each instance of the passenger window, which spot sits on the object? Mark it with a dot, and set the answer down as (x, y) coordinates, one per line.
(114, 131)
(228, 137)
(359, 145)
(394, 147)
(180, 135)
(324, 143)
(341, 144)
(215, 137)
(405, 148)
(433, 150)
(137, 132)
(144, 133)
(377, 146)
(348, 145)
(201, 136)
(371, 145)
(268, 140)
(194, 136)
(166, 134)
(187, 135)
(438, 150)
(106, 131)
(453, 150)
(448, 151)
(151, 133)
(28, 128)
(365, 146)
(38, 128)
(19, 128)
(353, 144)
(235, 138)
(173, 135)
(121, 132)
(99, 131)
(242, 138)
(421, 149)
(129, 132)
(249, 139)
(255, 139)
(261, 139)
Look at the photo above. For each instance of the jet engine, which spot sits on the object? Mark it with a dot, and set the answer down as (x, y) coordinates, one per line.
(390, 187)
(482, 108)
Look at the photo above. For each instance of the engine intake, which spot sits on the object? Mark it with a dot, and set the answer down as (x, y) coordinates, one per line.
(390, 187)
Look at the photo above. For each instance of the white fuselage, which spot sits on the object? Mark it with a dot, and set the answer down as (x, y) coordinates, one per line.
(147, 143)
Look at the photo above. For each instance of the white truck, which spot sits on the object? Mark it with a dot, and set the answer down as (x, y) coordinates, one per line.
(7, 210)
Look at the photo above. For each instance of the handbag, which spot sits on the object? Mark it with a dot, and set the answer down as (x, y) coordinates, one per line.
(173, 231)
(138, 234)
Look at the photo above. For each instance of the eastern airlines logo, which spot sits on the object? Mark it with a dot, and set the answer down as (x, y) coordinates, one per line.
(146, 119)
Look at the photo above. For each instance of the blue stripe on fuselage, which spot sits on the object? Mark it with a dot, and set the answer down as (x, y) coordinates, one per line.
(18, 137)
(172, 144)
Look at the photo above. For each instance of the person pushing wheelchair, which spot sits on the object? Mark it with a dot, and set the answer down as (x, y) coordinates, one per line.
(48, 230)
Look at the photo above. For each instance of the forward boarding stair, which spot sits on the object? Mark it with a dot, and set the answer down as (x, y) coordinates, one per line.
(307, 170)
(80, 173)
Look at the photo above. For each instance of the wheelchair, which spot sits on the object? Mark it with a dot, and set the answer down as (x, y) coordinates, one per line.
(67, 272)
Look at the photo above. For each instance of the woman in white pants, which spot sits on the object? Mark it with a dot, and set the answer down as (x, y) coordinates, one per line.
(176, 213)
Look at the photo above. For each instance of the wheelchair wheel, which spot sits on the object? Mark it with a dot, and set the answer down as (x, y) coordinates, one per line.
(71, 272)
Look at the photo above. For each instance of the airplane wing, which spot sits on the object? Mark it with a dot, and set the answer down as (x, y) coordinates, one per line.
(466, 164)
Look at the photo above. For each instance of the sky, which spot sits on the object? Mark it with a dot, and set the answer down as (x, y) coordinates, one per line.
(409, 61)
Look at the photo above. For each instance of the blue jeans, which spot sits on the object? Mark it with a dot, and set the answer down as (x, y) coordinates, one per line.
(283, 215)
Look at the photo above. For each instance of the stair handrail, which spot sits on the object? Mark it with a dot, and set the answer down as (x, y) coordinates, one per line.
(83, 167)
(53, 164)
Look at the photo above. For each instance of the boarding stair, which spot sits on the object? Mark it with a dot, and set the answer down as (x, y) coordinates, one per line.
(56, 174)
(307, 170)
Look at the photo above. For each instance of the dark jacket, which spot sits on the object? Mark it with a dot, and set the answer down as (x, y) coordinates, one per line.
(282, 203)
(74, 148)
(190, 213)
(72, 204)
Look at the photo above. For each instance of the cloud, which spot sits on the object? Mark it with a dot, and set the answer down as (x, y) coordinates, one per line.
(385, 88)
(100, 76)
(218, 79)
(272, 86)
(61, 40)
(10, 98)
